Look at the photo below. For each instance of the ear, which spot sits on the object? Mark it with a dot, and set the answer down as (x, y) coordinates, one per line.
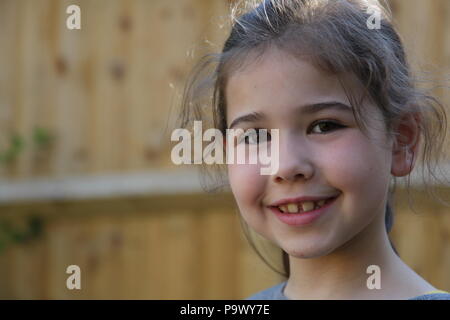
(406, 144)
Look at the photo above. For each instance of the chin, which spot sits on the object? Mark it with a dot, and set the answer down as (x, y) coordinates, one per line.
(307, 251)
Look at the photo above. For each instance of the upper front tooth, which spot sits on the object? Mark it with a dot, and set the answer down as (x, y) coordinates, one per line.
(307, 205)
(292, 207)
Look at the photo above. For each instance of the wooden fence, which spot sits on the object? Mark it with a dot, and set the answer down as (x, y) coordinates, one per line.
(182, 247)
(103, 93)
(106, 93)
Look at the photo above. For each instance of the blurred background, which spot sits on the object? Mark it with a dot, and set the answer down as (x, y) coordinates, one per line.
(85, 171)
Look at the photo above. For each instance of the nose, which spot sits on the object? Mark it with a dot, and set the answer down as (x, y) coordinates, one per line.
(295, 160)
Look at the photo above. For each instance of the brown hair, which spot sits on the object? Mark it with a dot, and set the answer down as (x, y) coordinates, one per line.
(334, 36)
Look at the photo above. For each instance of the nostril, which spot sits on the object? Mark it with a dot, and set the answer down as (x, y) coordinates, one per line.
(294, 178)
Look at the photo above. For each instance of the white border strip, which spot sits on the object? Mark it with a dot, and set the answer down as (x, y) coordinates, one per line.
(130, 184)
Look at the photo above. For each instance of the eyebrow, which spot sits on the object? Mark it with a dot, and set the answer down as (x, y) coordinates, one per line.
(305, 109)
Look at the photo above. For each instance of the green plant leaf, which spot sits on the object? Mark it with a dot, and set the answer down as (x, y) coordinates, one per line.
(42, 137)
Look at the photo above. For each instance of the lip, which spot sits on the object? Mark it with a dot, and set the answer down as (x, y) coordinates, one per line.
(300, 199)
(301, 219)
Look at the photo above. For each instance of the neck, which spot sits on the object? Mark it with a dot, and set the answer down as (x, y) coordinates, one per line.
(343, 273)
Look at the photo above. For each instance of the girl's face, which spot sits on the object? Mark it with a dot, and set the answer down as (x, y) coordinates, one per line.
(321, 154)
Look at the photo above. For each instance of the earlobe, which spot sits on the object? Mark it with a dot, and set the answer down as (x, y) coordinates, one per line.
(406, 145)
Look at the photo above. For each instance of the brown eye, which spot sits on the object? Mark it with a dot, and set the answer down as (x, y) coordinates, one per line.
(326, 126)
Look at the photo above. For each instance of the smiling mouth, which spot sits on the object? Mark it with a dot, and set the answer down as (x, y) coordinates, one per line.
(303, 207)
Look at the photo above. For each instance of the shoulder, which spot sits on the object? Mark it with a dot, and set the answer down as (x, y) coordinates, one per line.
(272, 293)
(433, 296)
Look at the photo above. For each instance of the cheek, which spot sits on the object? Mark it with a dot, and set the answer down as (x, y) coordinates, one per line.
(247, 184)
(356, 162)
(248, 187)
(361, 171)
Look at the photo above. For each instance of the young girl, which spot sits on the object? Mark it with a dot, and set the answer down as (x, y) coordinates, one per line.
(350, 119)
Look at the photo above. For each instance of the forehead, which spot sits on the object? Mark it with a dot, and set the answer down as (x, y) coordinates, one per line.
(278, 79)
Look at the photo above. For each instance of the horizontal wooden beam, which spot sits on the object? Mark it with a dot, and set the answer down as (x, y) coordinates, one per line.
(129, 184)
(100, 186)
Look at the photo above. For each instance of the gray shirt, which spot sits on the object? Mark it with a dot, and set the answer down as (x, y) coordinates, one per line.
(276, 293)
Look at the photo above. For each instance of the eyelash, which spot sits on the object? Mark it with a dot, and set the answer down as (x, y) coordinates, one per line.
(337, 125)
